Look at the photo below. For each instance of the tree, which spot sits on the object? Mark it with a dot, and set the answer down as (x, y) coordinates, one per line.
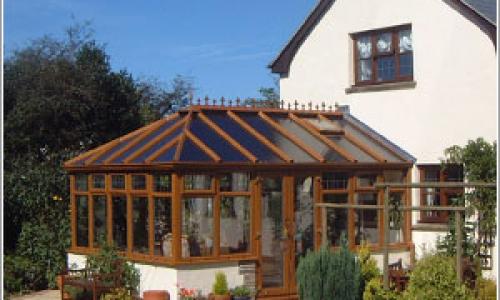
(478, 158)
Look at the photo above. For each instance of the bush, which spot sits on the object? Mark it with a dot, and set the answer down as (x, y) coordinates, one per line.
(104, 262)
(487, 289)
(434, 277)
(118, 294)
(241, 291)
(374, 290)
(369, 269)
(329, 275)
(220, 284)
(22, 274)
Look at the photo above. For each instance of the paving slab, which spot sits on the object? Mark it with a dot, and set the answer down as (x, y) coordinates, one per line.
(40, 295)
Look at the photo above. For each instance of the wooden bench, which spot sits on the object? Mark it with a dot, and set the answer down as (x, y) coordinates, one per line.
(398, 275)
(89, 280)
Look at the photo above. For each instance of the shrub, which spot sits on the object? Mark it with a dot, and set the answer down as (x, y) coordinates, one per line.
(220, 284)
(117, 294)
(434, 277)
(369, 269)
(487, 289)
(329, 275)
(22, 274)
(241, 291)
(104, 262)
(374, 290)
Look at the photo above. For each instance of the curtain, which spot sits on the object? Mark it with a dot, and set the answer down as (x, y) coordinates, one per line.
(405, 38)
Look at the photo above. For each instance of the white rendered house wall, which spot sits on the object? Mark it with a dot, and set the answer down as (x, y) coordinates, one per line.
(455, 96)
(199, 277)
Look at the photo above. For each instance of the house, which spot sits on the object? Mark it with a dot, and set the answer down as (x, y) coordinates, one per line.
(234, 189)
(421, 72)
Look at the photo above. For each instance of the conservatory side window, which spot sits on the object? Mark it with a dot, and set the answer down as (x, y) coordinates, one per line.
(197, 227)
(82, 221)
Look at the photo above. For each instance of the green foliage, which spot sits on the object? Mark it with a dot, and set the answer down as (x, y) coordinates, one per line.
(78, 293)
(478, 158)
(374, 290)
(22, 274)
(487, 289)
(434, 277)
(117, 294)
(104, 262)
(220, 285)
(329, 275)
(368, 266)
(241, 291)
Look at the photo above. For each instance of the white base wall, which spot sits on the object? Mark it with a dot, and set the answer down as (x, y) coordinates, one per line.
(199, 277)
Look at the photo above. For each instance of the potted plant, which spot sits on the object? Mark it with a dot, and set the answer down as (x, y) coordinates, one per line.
(241, 293)
(220, 289)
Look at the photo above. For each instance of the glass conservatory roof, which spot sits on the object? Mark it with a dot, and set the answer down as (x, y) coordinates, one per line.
(247, 135)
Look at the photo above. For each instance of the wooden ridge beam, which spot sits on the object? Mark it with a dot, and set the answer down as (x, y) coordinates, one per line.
(315, 132)
(227, 137)
(315, 154)
(211, 153)
(182, 138)
(374, 154)
(162, 149)
(153, 141)
(377, 141)
(147, 130)
(280, 153)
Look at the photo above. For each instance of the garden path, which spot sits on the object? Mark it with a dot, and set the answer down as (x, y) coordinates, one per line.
(40, 295)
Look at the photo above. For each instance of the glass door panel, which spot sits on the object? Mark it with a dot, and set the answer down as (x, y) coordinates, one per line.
(303, 217)
(272, 242)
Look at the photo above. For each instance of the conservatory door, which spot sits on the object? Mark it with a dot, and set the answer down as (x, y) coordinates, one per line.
(286, 233)
(274, 238)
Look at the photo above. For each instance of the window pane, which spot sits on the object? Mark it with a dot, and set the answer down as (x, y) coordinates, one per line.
(406, 64)
(334, 181)
(98, 181)
(396, 219)
(197, 227)
(405, 41)
(140, 223)
(162, 183)
(273, 242)
(235, 182)
(99, 220)
(454, 173)
(384, 42)
(197, 182)
(138, 182)
(163, 226)
(120, 222)
(118, 182)
(394, 176)
(386, 69)
(367, 180)
(82, 221)
(364, 46)
(304, 217)
(234, 225)
(366, 220)
(81, 182)
(336, 218)
(365, 70)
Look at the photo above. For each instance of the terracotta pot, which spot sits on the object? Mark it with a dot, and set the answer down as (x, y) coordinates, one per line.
(221, 297)
(156, 295)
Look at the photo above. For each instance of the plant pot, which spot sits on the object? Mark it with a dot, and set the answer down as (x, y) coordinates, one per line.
(242, 298)
(156, 295)
(221, 297)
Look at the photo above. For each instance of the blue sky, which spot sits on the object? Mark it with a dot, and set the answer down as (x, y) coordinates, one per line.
(224, 45)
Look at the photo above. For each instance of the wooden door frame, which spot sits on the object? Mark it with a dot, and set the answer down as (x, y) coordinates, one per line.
(288, 189)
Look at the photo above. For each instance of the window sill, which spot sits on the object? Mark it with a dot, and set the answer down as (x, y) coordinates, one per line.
(430, 227)
(381, 87)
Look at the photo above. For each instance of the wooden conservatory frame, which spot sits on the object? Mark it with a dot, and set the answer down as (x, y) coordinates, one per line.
(139, 152)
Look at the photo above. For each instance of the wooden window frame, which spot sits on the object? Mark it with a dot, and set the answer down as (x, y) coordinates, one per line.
(375, 55)
(379, 197)
(94, 189)
(444, 193)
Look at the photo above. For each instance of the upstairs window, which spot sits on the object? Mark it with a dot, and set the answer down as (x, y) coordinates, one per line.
(383, 56)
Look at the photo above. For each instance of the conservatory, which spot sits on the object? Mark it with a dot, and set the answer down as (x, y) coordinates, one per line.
(233, 188)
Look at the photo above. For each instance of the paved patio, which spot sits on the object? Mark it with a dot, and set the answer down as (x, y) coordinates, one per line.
(40, 295)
